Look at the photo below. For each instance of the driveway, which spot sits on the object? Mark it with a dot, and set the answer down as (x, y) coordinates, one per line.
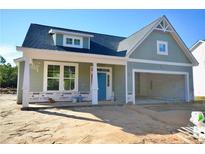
(106, 124)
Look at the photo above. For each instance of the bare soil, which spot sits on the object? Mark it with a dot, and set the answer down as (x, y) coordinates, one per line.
(105, 124)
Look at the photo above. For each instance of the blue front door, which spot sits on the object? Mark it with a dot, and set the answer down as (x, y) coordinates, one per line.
(101, 86)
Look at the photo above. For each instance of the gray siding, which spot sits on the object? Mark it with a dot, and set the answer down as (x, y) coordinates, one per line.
(133, 65)
(20, 82)
(86, 42)
(148, 49)
(59, 39)
(84, 77)
(119, 83)
(36, 76)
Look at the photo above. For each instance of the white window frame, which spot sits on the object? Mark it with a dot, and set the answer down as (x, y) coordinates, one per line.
(158, 47)
(61, 81)
(72, 45)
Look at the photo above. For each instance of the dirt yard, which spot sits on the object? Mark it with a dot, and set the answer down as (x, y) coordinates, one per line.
(107, 124)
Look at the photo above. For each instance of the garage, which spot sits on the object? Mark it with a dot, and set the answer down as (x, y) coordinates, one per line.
(159, 87)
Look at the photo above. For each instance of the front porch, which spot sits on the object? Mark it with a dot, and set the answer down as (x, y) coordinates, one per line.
(54, 83)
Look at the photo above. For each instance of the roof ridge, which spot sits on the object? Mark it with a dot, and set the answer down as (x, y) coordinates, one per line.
(77, 30)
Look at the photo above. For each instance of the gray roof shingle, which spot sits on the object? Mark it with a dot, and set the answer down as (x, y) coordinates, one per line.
(133, 39)
(38, 37)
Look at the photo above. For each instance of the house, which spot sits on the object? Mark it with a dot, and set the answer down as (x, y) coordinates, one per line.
(65, 64)
(198, 50)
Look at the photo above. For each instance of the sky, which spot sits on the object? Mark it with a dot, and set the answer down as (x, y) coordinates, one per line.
(14, 24)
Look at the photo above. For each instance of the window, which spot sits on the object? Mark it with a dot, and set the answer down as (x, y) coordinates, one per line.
(69, 77)
(72, 41)
(162, 48)
(60, 76)
(69, 41)
(76, 42)
(53, 77)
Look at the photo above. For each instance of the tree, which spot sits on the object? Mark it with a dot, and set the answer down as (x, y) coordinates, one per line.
(8, 75)
(2, 60)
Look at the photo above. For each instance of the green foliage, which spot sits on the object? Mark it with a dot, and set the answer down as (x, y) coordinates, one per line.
(2, 60)
(8, 76)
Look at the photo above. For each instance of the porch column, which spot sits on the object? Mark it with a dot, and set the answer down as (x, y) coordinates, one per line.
(95, 85)
(26, 83)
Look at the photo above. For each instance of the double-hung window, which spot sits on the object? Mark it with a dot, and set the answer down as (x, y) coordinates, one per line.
(69, 41)
(53, 77)
(73, 41)
(60, 76)
(162, 47)
(76, 41)
(69, 77)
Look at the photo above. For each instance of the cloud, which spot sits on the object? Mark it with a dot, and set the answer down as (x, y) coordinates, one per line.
(9, 53)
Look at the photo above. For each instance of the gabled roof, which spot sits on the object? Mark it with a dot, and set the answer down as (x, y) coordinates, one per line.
(195, 45)
(38, 37)
(133, 41)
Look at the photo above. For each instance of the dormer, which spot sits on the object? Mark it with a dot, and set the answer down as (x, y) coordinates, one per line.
(70, 39)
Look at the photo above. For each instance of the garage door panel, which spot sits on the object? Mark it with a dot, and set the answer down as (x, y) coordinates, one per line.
(162, 86)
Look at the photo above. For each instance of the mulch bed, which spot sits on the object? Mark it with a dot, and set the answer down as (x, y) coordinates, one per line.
(8, 90)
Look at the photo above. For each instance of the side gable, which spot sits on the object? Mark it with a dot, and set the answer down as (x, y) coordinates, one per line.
(162, 25)
(147, 50)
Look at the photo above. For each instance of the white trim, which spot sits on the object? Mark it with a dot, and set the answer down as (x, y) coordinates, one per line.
(187, 94)
(164, 27)
(18, 78)
(161, 72)
(48, 55)
(88, 43)
(52, 31)
(108, 89)
(126, 91)
(57, 55)
(159, 62)
(133, 86)
(73, 38)
(17, 60)
(61, 79)
(158, 47)
(95, 85)
(196, 44)
(164, 30)
(26, 82)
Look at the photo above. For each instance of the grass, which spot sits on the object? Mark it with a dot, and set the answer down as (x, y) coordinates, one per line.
(199, 99)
